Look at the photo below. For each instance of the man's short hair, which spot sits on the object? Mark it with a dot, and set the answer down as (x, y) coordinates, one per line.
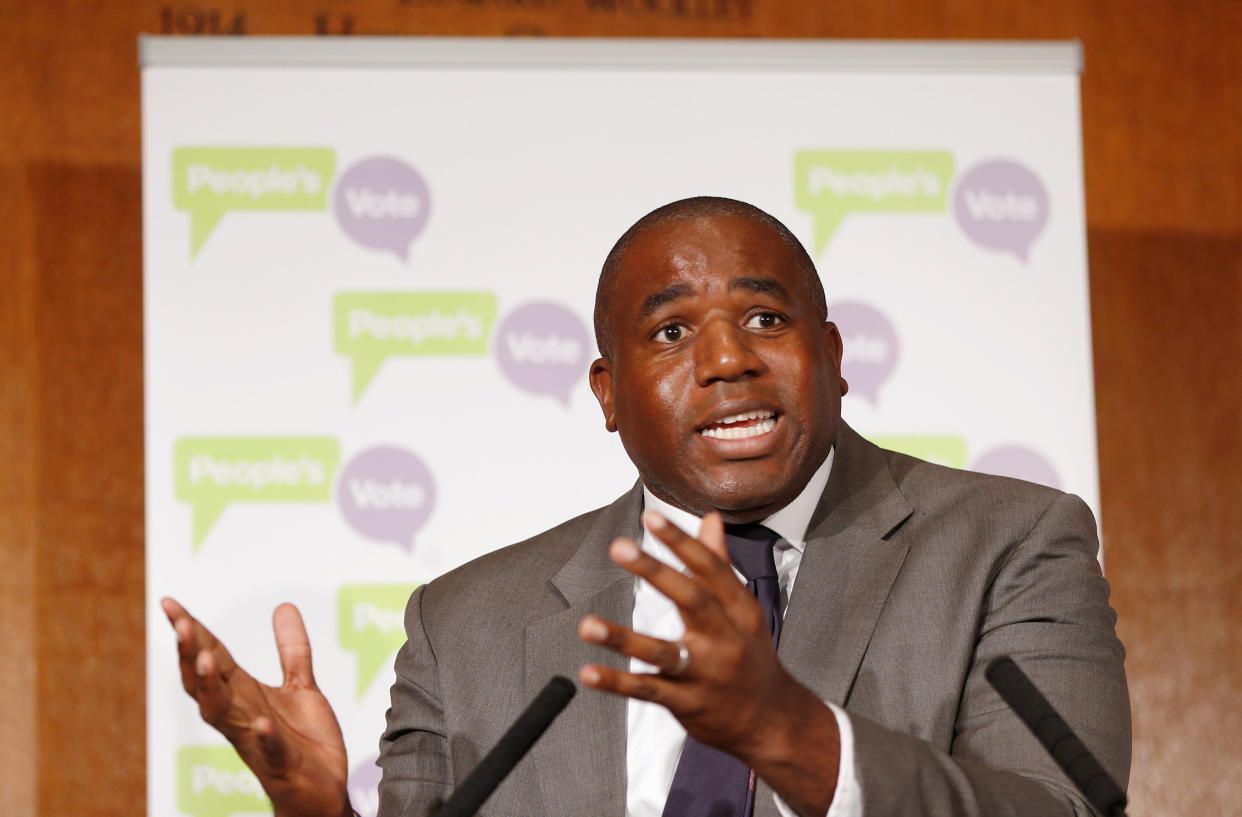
(685, 209)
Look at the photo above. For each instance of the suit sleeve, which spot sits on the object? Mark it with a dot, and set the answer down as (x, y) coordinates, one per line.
(414, 752)
(1047, 608)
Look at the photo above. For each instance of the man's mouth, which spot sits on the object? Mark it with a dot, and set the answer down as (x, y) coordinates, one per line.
(741, 426)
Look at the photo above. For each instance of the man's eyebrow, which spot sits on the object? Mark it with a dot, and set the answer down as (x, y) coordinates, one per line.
(658, 299)
(762, 286)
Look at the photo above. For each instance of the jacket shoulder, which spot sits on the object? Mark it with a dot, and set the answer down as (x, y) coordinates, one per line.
(513, 574)
(926, 483)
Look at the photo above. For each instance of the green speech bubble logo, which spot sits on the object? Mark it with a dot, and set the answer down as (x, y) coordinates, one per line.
(371, 624)
(942, 449)
(370, 327)
(212, 781)
(210, 181)
(212, 472)
(828, 184)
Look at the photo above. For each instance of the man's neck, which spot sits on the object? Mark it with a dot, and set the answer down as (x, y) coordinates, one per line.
(790, 522)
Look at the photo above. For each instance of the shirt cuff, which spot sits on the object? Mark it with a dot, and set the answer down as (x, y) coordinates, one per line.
(847, 800)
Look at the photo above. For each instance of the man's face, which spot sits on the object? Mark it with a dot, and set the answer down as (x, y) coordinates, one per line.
(724, 384)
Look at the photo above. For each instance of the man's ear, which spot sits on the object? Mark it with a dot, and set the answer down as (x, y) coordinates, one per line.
(601, 385)
(836, 348)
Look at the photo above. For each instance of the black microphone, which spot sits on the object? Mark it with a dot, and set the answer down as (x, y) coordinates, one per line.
(1054, 733)
(512, 747)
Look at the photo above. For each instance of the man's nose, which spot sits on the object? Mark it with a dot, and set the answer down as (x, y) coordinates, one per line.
(724, 352)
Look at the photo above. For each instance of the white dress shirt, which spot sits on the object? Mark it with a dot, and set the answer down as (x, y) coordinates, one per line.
(654, 738)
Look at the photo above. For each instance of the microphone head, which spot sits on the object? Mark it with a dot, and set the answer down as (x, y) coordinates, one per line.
(1055, 735)
(561, 687)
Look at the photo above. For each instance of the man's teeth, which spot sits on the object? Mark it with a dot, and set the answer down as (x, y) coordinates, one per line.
(721, 430)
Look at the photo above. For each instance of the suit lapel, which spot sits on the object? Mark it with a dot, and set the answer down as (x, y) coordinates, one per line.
(581, 762)
(847, 570)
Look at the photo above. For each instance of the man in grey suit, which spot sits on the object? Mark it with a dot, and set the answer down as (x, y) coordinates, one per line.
(721, 374)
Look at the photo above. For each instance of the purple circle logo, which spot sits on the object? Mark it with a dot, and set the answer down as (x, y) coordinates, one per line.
(386, 493)
(382, 203)
(542, 348)
(1019, 462)
(1001, 205)
(363, 787)
(869, 346)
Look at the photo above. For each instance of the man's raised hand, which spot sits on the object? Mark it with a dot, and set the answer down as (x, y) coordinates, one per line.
(287, 735)
(733, 694)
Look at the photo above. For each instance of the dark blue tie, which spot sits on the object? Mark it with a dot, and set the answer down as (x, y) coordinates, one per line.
(709, 782)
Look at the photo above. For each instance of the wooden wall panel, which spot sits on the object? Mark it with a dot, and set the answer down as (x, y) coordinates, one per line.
(1162, 122)
(1167, 315)
(89, 563)
(18, 511)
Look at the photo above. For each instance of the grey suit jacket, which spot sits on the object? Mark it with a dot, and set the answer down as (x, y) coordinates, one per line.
(913, 578)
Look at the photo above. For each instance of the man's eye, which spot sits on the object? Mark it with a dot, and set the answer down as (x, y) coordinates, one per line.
(764, 320)
(671, 333)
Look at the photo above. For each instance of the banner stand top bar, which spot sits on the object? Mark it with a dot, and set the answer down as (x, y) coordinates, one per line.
(879, 56)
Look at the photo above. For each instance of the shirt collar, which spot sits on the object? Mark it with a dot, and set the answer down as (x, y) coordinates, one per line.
(790, 522)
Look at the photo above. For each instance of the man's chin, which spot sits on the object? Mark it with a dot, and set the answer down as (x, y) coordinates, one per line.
(749, 500)
(741, 491)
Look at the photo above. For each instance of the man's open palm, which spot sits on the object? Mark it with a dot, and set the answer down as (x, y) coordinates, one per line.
(287, 735)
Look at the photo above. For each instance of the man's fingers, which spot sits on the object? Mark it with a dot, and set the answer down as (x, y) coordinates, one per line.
(183, 625)
(710, 564)
(641, 686)
(173, 609)
(293, 645)
(682, 590)
(187, 654)
(188, 646)
(190, 633)
(197, 637)
(660, 654)
(212, 693)
(712, 534)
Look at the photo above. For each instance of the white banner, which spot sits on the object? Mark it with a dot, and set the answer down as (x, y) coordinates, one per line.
(369, 276)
